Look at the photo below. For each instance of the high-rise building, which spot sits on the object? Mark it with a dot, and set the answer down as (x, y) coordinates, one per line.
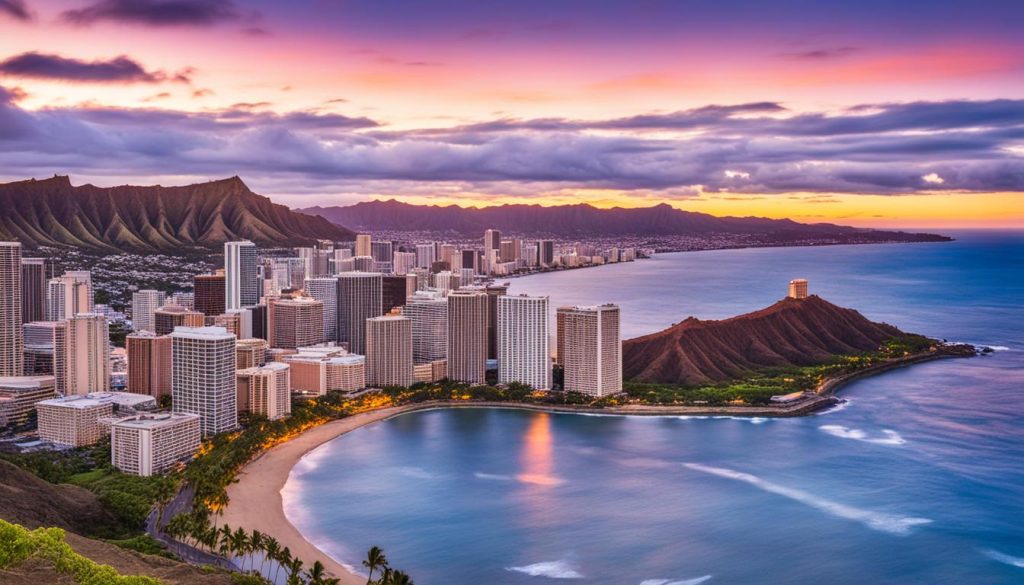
(359, 299)
(382, 251)
(493, 292)
(314, 261)
(295, 322)
(470, 260)
(395, 290)
(507, 251)
(424, 255)
(87, 354)
(364, 264)
(19, 396)
(403, 262)
(33, 289)
(524, 353)
(593, 349)
(798, 288)
(492, 241)
(68, 295)
(44, 350)
(241, 275)
(530, 255)
(322, 370)
(389, 351)
(167, 317)
(203, 376)
(546, 252)
(325, 290)
(149, 364)
(209, 294)
(446, 281)
(144, 306)
(428, 313)
(265, 390)
(467, 335)
(363, 245)
(146, 444)
(12, 348)
(250, 353)
(286, 273)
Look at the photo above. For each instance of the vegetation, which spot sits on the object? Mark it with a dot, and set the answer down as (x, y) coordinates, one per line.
(760, 386)
(18, 544)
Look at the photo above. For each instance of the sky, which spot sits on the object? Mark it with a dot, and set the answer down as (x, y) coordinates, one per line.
(872, 113)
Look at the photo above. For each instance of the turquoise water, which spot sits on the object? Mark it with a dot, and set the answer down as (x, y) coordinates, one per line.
(918, 478)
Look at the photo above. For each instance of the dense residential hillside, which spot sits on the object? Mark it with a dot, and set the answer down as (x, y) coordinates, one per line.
(53, 212)
(792, 332)
(581, 220)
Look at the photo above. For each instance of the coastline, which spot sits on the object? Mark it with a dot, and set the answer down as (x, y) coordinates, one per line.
(255, 500)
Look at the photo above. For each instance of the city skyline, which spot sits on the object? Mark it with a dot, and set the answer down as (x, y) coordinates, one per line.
(818, 115)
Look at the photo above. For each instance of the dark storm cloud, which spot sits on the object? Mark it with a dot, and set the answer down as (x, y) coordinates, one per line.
(156, 12)
(749, 148)
(15, 9)
(119, 69)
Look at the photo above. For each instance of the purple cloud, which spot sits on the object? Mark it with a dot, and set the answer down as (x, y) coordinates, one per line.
(15, 9)
(119, 69)
(156, 12)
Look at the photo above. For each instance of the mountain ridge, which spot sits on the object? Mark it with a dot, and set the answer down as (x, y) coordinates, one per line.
(584, 219)
(53, 212)
(791, 332)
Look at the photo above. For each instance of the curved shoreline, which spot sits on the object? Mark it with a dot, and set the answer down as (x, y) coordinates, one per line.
(255, 500)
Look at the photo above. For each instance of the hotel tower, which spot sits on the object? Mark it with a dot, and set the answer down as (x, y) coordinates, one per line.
(203, 376)
(12, 358)
(467, 335)
(593, 349)
(524, 345)
(241, 278)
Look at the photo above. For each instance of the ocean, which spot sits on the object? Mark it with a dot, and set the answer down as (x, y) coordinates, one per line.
(917, 478)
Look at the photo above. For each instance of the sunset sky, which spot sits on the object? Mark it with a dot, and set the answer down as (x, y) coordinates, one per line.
(885, 113)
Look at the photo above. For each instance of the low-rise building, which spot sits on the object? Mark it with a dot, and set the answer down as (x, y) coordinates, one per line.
(145, 444)
(320, 370)
(20, 394)
(73, 421)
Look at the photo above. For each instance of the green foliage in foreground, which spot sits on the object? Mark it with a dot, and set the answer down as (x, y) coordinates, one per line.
(18, 544)
(144, 544)
(760, 386)
(129, 497)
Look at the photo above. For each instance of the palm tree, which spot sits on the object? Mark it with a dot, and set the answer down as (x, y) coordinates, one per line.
(272, 548)
(239, 542)
(295, 572)
(283, 560)
(315, 575)
(256, 545)
(400, 578)
(374, 560)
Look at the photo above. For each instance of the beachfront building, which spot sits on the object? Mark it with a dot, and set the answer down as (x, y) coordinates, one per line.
(265, 390)
(524, 353)
(494, 291)
(428, 312)
(19, 396)
(389, 351)
(146, 444)
(72, 421)
(12, 350)
(203, 376)
(86, 354)
(319, 370)
(593, 349)
(467, 335)
(798, 288)
(144, 306)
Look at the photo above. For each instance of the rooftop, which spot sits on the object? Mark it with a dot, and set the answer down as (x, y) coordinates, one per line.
(211, 333)
(152, 421)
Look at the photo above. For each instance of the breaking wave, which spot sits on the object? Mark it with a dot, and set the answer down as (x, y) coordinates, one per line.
(890, 523)
(561, 569)
(695, 581)
(889, 437)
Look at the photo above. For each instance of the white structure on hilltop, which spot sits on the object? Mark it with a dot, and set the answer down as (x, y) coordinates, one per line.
(144, 306)
(241, 278)
(524, 345)
(12, 340)
(798, 288)
(203, 376)
(592, 345)
(146, 444)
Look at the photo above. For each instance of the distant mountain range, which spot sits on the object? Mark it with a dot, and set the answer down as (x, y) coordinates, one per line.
(53, 212)
(584, 220)
(792, 332)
